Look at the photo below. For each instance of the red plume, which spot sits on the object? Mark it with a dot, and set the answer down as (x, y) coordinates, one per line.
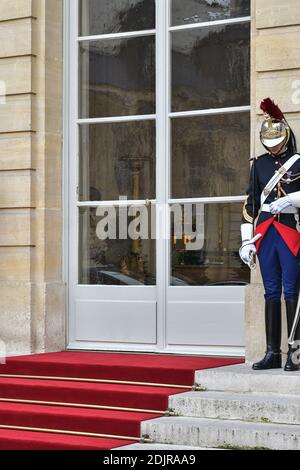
(268, 106)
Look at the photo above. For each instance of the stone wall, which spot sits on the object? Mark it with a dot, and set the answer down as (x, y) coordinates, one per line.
(32, 294)
(276, 73)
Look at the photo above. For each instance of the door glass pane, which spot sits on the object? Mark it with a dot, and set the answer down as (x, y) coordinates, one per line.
(211, 67)
(210, 155)
(124, 254)
(197, 11)
(117, 77)
(205, 240)
(117, 159)
(116, 16)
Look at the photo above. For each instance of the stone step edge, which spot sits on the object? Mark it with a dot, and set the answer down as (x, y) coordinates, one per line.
(216, 433)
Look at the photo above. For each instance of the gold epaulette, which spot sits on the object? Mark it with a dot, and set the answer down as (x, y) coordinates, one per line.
(246, 215)
(256, 158)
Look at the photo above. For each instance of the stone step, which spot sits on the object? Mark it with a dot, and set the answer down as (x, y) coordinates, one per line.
(203, 432)
(159, 447)
(259, 407)
(241, 378)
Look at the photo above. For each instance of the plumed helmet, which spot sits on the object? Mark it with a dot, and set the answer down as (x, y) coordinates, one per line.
(275, 129)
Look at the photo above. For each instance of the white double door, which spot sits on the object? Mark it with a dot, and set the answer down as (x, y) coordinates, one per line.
(152, 293)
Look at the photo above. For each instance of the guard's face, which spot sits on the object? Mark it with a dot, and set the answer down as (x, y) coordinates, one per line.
(276, 150)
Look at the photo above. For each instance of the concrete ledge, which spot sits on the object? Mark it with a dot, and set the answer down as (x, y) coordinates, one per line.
(160, 447)
(241, 378)
(258, 407)
(201, 432)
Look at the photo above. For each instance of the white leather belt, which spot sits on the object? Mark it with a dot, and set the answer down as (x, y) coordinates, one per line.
(287, 210)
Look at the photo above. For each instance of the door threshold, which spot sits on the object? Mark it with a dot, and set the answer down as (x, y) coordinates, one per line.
(159, 352)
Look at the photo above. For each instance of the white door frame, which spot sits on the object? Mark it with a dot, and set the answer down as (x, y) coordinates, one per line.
(163, 118)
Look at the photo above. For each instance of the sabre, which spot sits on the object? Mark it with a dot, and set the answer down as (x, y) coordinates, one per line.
(295, 324)
(252, 261)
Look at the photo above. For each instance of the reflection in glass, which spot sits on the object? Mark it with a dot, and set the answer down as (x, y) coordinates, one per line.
(116, 16)
(117, 77)
(117, 159)
(197, 11)
(206, 251)
(120, 259)
(210, 155)
(211, 67)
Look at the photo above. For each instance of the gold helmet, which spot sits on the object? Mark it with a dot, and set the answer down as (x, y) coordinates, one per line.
(275, 129)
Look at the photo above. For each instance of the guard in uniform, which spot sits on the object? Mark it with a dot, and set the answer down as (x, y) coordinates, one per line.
(270, 229)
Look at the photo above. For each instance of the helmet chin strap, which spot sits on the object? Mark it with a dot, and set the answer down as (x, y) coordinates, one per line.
(280, 151)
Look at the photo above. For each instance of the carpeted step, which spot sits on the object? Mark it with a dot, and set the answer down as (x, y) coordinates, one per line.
(73, 419)
(71, 378)
(175, 370)
(127, 396)
(28, 440)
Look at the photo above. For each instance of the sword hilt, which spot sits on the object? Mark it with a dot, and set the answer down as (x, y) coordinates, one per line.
(252, 262)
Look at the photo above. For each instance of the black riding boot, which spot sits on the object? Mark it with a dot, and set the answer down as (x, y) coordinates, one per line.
(292, 362)
(272, 359)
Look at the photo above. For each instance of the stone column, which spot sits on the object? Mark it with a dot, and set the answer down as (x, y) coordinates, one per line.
(32, 292)
(275, 72)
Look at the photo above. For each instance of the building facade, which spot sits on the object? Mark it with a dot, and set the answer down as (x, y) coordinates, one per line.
(142, 114)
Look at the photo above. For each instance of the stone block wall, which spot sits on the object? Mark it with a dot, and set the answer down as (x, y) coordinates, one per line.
(32, 293)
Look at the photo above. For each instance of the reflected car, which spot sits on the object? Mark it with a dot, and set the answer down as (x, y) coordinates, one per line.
(106, 277)
(227, 283)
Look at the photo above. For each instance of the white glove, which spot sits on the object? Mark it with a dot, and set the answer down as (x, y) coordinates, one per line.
(248, 248)
(277, 206)
(295, 198)
(246, 252)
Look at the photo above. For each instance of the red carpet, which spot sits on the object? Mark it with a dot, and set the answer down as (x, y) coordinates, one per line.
(66, 410)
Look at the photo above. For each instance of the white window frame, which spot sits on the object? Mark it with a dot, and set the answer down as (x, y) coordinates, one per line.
(163, 117)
